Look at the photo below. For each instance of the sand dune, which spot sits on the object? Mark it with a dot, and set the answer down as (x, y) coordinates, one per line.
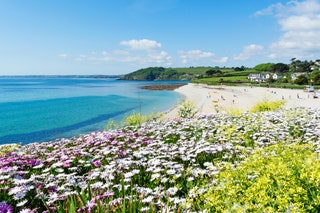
(209, 99)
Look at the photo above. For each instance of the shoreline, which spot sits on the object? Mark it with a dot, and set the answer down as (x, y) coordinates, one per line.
(210, 99)
(163, 87)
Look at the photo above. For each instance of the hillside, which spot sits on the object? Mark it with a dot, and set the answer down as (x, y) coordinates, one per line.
(161, 73)
(185, 73)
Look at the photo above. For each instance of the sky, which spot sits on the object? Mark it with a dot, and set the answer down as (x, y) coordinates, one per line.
(111, 37)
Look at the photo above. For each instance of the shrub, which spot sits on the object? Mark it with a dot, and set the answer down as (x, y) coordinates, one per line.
(4, 149)
(187, 109)
(267, 106)
(135, 119)
(280, 178)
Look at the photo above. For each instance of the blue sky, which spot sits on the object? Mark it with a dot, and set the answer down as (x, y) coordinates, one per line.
(120, 36)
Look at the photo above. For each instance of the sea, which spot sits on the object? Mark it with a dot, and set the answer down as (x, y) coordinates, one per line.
(40, 109)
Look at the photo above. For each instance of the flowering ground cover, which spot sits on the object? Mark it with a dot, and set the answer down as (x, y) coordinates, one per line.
(208, 163)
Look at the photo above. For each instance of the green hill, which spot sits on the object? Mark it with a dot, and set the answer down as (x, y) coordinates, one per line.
(161, 73)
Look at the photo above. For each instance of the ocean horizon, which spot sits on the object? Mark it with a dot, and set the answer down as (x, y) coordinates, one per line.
(41, 109)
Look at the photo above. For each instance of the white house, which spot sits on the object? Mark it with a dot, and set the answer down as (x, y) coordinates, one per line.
(295, 75)
(276, 76)
(258, 77)
(268, 75)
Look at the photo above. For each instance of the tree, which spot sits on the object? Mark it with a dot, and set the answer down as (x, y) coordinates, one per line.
(305, 66)
(280, 68)
(242, 68)
(301, 79)
(300, 66)
(266, 67)
(316, 79)
(293, 64)
(213, 72)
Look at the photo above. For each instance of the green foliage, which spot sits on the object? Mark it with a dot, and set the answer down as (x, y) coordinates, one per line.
(161, 73)
(235, 112)
(238, 69)
(280, 68)
(134, 119)
(187, 109)
(155, 73)
(301, 80)
(279, 178)
(232, 80)
(194, 70)
(111, 125)
(316, 79)
(267, 106)
(213, 72)
(266, 67)
(150, 73)
(300, 66)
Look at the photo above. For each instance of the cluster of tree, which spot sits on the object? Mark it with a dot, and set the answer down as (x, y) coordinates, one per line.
(313, 79)
(213, 72)
(272, 67)
(154, 73)
(294, 66)
(309, 71)
(242, 68)
(310, 68)
(302, 66)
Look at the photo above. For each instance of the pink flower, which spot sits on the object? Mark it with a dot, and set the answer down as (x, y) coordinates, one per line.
(96, 163)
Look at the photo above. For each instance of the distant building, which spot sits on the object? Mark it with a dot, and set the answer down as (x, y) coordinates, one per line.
(268, 75)
(276, 76)
(257, 77)
(295, 75)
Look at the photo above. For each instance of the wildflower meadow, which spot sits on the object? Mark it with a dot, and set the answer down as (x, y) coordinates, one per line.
(250, 162)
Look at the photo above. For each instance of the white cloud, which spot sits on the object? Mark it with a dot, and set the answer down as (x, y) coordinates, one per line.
(249, 51)
(193, 55)
(150, 54)
(143, 44)
(270, 10)
(221, 60)
(300, 23)
(160, 58)
(63, 55)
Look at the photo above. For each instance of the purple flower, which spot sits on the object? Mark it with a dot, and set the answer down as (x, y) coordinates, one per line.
(123, 153)
(108, 194)
(96, 163)
(66, 164)
(5, 208)
(52, 189)
(34, 162)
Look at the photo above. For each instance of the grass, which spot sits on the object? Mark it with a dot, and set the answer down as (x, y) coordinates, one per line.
(230, 80)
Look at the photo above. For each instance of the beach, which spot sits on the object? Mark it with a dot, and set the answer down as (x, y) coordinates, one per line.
(210, 99)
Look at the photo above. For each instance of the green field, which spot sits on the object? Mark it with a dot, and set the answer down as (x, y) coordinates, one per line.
(226, 80)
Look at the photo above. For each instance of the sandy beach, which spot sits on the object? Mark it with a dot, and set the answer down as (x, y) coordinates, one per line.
(209, 99)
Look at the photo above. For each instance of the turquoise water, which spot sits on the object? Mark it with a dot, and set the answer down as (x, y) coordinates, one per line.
(46, 109)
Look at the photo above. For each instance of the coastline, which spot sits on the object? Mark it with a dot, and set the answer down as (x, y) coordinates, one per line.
(210, 99)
